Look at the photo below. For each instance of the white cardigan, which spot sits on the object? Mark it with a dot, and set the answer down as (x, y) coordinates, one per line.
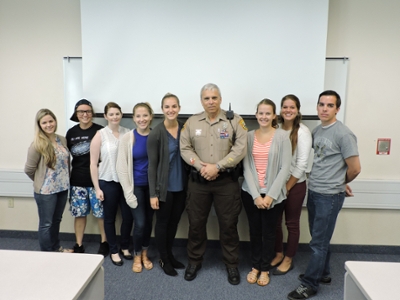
(301, 155)
(125, 168)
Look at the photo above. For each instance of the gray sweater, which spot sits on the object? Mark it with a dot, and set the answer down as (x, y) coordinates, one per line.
(279, 160)
(158, 153)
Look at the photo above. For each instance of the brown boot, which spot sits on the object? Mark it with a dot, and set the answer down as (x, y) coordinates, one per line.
(137, 264)
(148, 265)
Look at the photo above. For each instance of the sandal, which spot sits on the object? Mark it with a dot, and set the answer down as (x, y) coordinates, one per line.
(148, 265)
(63, 250)
(252, 276)
(137, 264)
(263, 280)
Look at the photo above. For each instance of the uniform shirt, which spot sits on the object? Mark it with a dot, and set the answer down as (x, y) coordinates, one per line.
(203, 141)
(78, 142)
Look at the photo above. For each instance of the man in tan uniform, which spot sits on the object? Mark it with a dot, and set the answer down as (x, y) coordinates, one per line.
(213, 143)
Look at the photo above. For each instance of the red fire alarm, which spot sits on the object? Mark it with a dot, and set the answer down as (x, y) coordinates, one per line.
(383, 147)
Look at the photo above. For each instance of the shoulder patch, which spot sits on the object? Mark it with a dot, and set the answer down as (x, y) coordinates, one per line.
(183, 127)
(243, 124)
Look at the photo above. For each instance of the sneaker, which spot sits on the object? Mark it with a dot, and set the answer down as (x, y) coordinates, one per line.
(302, 292)
(79, 249)
(104, 249)
(324, 280)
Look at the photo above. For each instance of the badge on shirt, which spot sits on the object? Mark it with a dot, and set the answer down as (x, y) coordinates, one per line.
(223, 134)
(198, 132)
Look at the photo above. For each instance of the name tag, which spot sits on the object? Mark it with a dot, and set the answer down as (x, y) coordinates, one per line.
(224, 134)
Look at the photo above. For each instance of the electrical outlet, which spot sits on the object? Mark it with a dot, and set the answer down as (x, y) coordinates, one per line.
(11, 203)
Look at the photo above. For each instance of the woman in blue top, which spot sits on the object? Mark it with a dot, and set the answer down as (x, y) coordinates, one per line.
(167, 181)
(132, 165)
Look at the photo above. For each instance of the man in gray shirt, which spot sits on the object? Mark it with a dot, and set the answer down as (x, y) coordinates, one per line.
(336, 163)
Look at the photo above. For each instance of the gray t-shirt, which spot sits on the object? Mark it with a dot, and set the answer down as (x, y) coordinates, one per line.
(332, 145)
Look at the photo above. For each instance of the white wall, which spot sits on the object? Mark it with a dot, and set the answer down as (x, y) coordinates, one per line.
(35, 35)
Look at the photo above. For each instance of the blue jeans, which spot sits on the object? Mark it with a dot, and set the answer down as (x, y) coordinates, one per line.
(114, 197)
(323, 210)
(50, 209)
(143, 219)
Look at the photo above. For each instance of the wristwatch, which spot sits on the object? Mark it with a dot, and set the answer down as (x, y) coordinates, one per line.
(218, 167)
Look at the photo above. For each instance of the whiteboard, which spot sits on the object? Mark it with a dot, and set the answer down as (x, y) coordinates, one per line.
(336, 71)
(137, 51)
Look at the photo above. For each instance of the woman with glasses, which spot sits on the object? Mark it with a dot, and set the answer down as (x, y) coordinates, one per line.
(82, 193)
(103, 158)
(47, 165)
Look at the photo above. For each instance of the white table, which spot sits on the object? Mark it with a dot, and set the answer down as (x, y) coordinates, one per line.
(371, 280)
(49, 275)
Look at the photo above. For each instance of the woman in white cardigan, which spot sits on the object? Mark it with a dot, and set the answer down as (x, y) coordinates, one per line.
(296, 186)
(266, 169)
(132, 168)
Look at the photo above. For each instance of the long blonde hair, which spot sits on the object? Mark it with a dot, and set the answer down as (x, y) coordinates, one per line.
(41, 141)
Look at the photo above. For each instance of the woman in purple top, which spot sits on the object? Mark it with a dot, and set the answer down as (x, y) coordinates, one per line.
(132, 165)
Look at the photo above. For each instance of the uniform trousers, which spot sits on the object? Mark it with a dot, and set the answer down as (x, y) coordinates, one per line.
(225, 194)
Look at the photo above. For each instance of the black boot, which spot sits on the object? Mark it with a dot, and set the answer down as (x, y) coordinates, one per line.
(175, 263)
(167, 267)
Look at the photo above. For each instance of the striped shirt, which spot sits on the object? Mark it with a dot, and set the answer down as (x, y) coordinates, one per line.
(260, 155)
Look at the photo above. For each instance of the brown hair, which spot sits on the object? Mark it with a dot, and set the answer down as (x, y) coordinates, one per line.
(111, 105)
(269, 102)
(169, 95)
(296, 121)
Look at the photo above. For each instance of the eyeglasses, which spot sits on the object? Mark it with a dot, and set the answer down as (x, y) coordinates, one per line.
(82, 112)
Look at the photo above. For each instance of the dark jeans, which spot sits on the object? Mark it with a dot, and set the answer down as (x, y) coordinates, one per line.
(168, 216)
(262, 224)
(225, 194)
(143, 218)
(50, 209)
(114, 197)
(323, 210)
(292, 209)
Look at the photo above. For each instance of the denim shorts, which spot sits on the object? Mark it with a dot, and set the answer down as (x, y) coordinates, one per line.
(82, 199)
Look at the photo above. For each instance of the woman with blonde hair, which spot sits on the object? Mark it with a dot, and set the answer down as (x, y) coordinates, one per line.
(47, 165)
(132, 165)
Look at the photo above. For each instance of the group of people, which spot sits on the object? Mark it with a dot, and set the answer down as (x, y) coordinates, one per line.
(196, 165)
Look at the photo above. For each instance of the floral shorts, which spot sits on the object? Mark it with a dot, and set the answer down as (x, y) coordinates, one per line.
(82, 199)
